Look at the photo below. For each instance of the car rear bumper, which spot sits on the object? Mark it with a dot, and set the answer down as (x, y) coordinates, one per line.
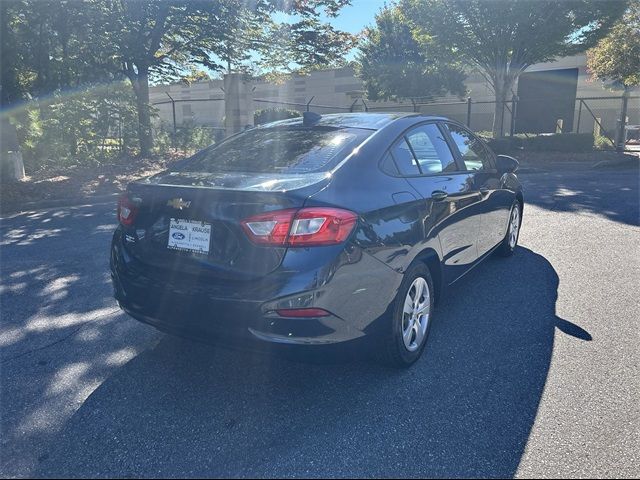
(245, 312)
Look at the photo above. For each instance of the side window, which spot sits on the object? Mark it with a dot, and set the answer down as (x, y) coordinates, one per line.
(389, 166)
(431, 149)
(405, 160)
(473, 152)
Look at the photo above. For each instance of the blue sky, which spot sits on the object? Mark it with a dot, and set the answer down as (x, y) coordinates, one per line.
(353, 18)
(358, 15)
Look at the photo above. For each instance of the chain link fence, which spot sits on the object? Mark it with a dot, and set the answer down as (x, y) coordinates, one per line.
(601, 116)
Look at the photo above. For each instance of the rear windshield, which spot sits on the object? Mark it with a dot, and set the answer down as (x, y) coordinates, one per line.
(279, 150)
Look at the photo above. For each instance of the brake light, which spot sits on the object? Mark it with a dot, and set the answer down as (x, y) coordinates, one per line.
(127, 210)
(321, 226)
(315, 226)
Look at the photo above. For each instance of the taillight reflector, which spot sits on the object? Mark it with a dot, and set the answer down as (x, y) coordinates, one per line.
(127, 210)
(314, 226)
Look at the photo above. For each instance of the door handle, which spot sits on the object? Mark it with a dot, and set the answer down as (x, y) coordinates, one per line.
(438, 195)
(484, 190)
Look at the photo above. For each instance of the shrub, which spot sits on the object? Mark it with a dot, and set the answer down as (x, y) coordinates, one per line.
(273, 114)
(188, 137)
(85, 127)
(560, 142)
(600, 142)
(501, 146)
(485, 134)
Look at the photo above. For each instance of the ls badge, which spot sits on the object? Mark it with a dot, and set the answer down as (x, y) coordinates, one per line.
(179, 203)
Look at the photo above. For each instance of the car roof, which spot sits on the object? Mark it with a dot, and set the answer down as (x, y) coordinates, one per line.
(367, 120)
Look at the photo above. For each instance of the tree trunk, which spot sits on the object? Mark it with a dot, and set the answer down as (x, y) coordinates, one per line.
(503, 80)
(499, 109)
(140, 84)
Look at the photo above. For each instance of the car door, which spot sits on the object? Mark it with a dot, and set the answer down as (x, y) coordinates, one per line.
(426, 159)
(495, 202)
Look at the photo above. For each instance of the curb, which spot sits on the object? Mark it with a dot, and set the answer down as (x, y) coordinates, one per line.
(60, 203)
(624, 163)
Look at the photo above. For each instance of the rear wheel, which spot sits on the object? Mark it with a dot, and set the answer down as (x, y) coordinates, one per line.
(406, 337)
(510, 240)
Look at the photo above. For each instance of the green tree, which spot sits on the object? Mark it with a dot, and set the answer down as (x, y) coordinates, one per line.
(617, 56)
(50, 45)
(394, 64)
(160, 38)
(46, 47)
(56, 45)
(502, 39)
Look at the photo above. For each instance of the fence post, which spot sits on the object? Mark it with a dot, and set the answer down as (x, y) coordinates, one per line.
(173, 108)
(11, 162)
(468, 112)
(238, 103)
(502, 105)
(622, 124)
(579, 117)
(514, 109)
(120, 139)
(309, 102)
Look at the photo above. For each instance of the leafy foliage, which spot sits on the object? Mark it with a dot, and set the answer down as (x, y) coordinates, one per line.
(617, 56)
(188, 138)
(49, 47)
(559, 142)
(273, 114)
(394, 64)
(90, 127)
(502, 39)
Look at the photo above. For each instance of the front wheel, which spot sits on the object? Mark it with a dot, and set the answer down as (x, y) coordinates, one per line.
(510, 240)
(405, 339)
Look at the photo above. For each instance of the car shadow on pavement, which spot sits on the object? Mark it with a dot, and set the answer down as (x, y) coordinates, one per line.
(466, 409)
(611, 194)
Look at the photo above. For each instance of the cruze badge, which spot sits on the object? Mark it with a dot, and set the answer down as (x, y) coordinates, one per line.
(179, 203)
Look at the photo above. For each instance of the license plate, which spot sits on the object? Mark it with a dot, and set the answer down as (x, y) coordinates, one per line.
(189, 236)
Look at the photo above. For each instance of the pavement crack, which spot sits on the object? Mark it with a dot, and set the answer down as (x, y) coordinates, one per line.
(44, 347)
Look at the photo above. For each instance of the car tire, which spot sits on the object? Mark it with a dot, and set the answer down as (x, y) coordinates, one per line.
(395, 350)
(510, 241)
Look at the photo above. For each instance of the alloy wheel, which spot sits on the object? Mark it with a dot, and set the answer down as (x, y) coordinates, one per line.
(514, 227)
(415, 314)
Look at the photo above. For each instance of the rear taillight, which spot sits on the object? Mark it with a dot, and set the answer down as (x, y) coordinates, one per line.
(127, 210)
(315, 226)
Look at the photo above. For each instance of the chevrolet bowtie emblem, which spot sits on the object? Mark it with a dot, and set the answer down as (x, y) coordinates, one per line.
(179, 203)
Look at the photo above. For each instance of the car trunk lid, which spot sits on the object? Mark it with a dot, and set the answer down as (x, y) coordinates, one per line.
(189, 223)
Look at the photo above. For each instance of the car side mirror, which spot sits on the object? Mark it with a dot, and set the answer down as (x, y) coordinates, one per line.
(506, 164)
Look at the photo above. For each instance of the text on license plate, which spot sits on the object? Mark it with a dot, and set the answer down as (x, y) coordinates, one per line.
(189, 235)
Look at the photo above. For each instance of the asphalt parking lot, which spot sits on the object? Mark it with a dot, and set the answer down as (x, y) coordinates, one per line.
(532, 368)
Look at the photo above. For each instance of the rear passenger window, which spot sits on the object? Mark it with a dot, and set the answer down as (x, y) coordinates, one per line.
(389, 166)
(405, 161)
(431, 149)
(473, 152)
